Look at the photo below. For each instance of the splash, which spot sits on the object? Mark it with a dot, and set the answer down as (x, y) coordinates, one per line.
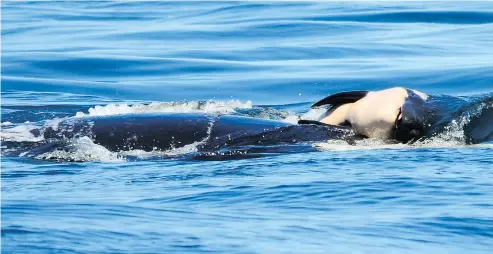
(454, 133)
(214, 107)
(21, 133)
(82, 150)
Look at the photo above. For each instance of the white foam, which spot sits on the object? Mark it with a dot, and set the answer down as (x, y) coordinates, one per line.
(6, 123)
(376, 144)
(20, 133)
(53, 123)
(141, 154)
(83, 149)
(217, 107)
(364, 144)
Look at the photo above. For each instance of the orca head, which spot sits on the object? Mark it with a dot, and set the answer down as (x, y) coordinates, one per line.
(413, 118)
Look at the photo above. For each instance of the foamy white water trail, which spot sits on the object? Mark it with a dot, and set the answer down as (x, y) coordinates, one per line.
(213, 107)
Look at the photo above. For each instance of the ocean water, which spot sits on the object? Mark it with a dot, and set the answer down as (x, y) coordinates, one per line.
(269, 60)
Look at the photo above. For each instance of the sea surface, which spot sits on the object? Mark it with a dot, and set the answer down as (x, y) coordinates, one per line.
(270, 60)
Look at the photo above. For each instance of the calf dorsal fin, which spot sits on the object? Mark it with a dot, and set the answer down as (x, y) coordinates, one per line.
(341, 98)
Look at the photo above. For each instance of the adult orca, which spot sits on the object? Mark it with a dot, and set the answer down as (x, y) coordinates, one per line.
(163, 131)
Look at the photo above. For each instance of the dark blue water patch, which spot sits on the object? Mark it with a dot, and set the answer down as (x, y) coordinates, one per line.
(15, 230)
(445, 17)
(104, 68)
(247, 31)
(460, 226)
(22, 114)
(106, 89)
(15, 174)
(20, 30)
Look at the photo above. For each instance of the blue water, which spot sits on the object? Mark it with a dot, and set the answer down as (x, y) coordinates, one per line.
(261, 59)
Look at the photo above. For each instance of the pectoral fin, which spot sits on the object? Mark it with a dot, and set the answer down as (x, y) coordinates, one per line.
(302, 121)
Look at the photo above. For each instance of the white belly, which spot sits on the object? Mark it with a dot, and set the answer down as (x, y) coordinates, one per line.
(374, 115)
